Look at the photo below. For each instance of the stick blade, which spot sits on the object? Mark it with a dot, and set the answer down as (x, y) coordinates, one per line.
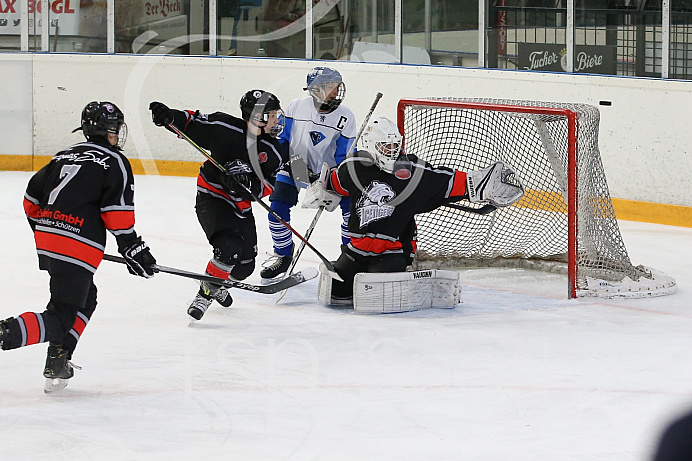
(309, 273)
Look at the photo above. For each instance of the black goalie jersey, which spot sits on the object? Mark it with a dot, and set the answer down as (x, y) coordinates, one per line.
(376, 226)
(70, 203)
(226, 138)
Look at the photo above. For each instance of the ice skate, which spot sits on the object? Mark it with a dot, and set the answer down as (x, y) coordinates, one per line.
(219, 294)
(5, 331)
(275, 266)
(198, 307)
(58, 369)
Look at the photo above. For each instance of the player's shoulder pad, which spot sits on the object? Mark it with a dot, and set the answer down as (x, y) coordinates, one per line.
(362, 157)
(293, 105)
(225, 118)
(348, 112)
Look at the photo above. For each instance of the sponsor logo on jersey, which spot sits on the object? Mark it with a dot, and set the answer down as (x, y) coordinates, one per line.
(372, 205)
(88, 156)
(263, 157)
(316, 137)
(57, 215)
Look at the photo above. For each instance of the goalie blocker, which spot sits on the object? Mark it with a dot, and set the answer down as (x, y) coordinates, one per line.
(386, 293)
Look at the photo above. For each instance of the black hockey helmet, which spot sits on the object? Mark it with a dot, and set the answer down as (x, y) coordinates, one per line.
(257, 104)
(101, 118)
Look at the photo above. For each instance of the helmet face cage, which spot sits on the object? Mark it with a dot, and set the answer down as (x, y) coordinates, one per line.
(122, 135)
(326, 88)
(278, 128)
(327, 95)
(382, 139)
(99, 119)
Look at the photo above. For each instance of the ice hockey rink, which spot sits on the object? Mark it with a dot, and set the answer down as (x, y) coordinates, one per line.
(517, 371)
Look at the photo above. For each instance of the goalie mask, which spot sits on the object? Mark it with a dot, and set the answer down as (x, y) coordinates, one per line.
(104, 121)
(262, 107)
(382, 139)
(326, 88)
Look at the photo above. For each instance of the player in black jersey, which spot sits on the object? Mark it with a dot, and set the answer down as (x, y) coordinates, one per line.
(675, 444)
(85, 190)
(387, 190)
(251, 155)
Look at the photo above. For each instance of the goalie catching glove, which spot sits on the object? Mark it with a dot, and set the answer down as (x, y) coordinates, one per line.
(497, 184)
(317, 195)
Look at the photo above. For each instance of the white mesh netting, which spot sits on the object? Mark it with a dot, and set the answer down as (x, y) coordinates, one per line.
(471, 134)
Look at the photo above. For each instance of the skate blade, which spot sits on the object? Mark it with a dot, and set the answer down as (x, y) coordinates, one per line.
(191, 320)
(54, 384)
(278, 278)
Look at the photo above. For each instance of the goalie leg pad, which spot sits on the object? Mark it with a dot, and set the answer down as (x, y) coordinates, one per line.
(324, 290)
(378, 293)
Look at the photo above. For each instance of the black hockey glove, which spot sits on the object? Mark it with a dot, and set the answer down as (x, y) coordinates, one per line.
(161, 115)
(138, 258)
(239, 179)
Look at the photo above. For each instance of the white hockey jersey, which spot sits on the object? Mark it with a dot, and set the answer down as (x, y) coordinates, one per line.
(317, 137)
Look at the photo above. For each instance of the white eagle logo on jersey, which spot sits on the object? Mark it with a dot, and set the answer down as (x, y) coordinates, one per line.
(372, 205)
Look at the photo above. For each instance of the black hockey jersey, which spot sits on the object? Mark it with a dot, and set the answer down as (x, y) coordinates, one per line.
(376, 226)
(225, 137)
(70, 203)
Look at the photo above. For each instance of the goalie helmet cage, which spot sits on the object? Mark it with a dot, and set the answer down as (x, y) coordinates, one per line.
(566, 216)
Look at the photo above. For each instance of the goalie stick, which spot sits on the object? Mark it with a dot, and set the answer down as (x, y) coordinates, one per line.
(308, 233)
(326, 262)
(485, 209)
(293, 280)
(367, 117)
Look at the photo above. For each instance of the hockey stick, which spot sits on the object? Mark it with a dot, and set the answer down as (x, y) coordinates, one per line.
(293, 280)
(326, 262)
(367, 117)
(485, 209)
(308, 233)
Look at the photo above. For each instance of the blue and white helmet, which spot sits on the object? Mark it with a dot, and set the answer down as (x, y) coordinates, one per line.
(326, 87)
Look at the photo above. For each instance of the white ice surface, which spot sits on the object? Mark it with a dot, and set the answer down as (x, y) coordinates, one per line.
(516, 372)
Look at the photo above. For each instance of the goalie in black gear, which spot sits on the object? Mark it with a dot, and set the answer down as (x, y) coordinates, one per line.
(85, 190)
(387, 189)
(251, 155)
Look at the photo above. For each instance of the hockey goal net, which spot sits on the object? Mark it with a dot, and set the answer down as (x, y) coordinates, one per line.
(564, 222)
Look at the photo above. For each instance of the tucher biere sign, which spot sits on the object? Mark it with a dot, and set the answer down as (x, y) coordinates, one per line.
(591, 59)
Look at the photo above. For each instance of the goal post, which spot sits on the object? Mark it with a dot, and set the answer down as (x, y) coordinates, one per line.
(565, 221)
